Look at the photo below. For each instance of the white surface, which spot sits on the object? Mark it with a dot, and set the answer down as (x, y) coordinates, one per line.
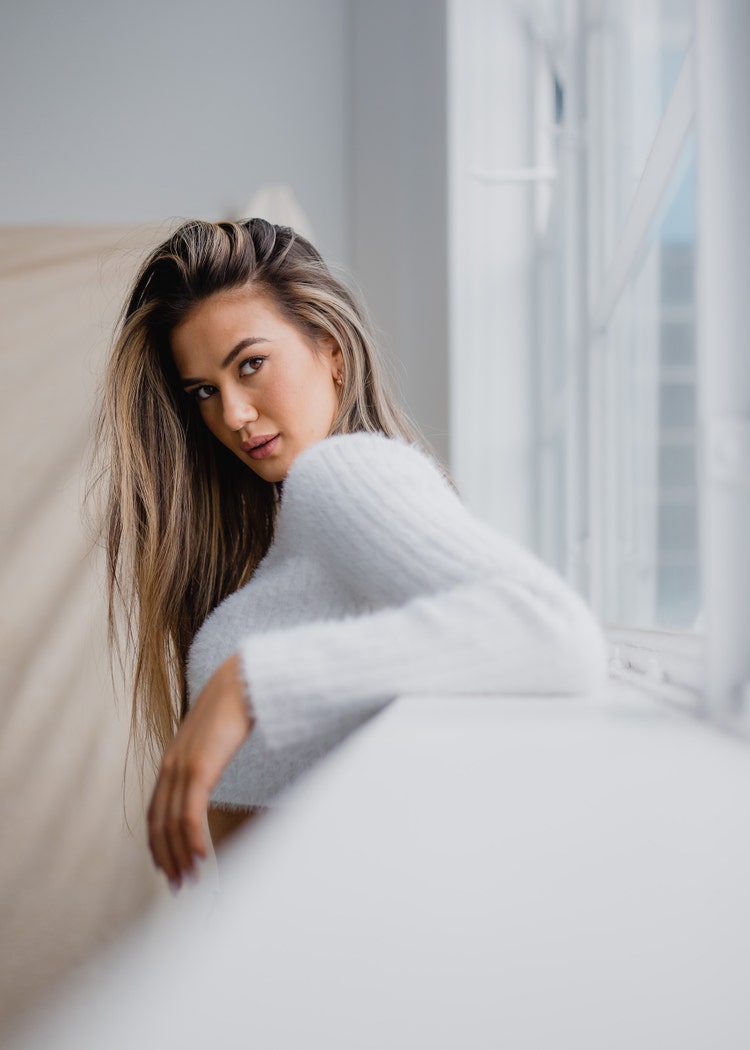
(491, 128)
(573, 874)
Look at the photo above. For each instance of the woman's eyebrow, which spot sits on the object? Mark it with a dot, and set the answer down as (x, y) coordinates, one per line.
(242, 345)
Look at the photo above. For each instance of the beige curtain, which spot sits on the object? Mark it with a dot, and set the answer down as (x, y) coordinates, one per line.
(72, 874)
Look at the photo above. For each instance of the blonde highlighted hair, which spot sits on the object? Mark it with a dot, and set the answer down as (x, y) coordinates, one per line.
(185, 522)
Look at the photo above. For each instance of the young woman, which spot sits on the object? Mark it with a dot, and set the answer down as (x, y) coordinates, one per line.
(289, 557)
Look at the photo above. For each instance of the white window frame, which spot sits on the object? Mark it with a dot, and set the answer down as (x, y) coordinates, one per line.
(665, 663)
(708, 674)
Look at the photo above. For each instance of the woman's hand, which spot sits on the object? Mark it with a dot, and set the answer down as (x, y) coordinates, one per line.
(213, 730)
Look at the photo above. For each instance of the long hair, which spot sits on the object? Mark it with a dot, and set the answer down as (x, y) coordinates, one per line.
(185, 522)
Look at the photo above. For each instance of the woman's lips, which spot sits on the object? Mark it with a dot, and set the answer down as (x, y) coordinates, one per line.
(267, 448)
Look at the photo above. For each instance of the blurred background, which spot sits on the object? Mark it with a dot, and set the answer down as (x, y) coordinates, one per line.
(512, 185)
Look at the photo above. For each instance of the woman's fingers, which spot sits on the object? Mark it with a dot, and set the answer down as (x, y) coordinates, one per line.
(213, 730)
(195, 806)
(158, 837)
(187, 818)
(175, 826)
(176, 819)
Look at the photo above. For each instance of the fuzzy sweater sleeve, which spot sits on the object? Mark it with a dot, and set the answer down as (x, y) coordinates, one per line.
(460, 609)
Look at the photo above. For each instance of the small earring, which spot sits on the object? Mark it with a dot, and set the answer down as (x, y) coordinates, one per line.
(339, 379)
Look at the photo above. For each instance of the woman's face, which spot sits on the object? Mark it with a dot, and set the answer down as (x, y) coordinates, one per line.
(261, 388)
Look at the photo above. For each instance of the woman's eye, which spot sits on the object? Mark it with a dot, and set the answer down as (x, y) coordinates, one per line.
(251, 366)
(202, 393)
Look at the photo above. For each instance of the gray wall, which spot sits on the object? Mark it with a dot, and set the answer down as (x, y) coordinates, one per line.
(157, 109)
(400, 194)
(152, 109)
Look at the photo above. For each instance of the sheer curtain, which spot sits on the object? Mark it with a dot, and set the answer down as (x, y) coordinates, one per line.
(71, 874)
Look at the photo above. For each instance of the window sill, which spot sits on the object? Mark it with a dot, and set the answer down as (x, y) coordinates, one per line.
(666, 664)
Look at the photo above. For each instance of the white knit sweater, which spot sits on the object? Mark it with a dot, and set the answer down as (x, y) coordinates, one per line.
(380, 582)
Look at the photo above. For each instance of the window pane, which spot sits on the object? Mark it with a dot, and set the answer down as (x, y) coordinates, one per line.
(652, 507)
(642, 44)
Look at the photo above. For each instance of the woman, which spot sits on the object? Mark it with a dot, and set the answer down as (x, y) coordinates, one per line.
(290, 559)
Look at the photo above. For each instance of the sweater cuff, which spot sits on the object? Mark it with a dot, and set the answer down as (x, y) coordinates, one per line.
(312, 704)
(318, 682)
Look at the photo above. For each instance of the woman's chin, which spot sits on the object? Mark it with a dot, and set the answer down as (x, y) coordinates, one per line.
(271, 470)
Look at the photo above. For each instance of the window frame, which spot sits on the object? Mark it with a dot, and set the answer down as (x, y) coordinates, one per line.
(669, 664)
(706, 673)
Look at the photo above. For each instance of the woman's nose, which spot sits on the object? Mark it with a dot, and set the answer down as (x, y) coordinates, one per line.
(238, 409)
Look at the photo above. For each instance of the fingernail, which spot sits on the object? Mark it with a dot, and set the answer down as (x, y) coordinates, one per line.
(174, 887)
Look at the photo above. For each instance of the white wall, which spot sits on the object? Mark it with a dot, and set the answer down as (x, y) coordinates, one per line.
(152, 109)
(491, 129)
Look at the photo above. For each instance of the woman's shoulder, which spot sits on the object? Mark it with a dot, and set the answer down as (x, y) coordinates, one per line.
(363, 459)
(365, 482)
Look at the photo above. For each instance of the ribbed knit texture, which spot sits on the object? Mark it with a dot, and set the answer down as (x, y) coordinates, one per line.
(380, 583)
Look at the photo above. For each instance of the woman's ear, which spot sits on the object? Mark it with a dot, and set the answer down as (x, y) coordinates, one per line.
(332, 350)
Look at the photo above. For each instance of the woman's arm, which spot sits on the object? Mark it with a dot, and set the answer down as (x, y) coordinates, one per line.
(214, 729)
(324, 679)
(321, 680)
(466, 611)
(462, 608)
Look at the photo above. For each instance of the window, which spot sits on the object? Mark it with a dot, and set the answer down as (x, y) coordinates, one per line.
(604, 187)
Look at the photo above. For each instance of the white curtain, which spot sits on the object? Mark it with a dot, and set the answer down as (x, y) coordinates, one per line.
(72, 874)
